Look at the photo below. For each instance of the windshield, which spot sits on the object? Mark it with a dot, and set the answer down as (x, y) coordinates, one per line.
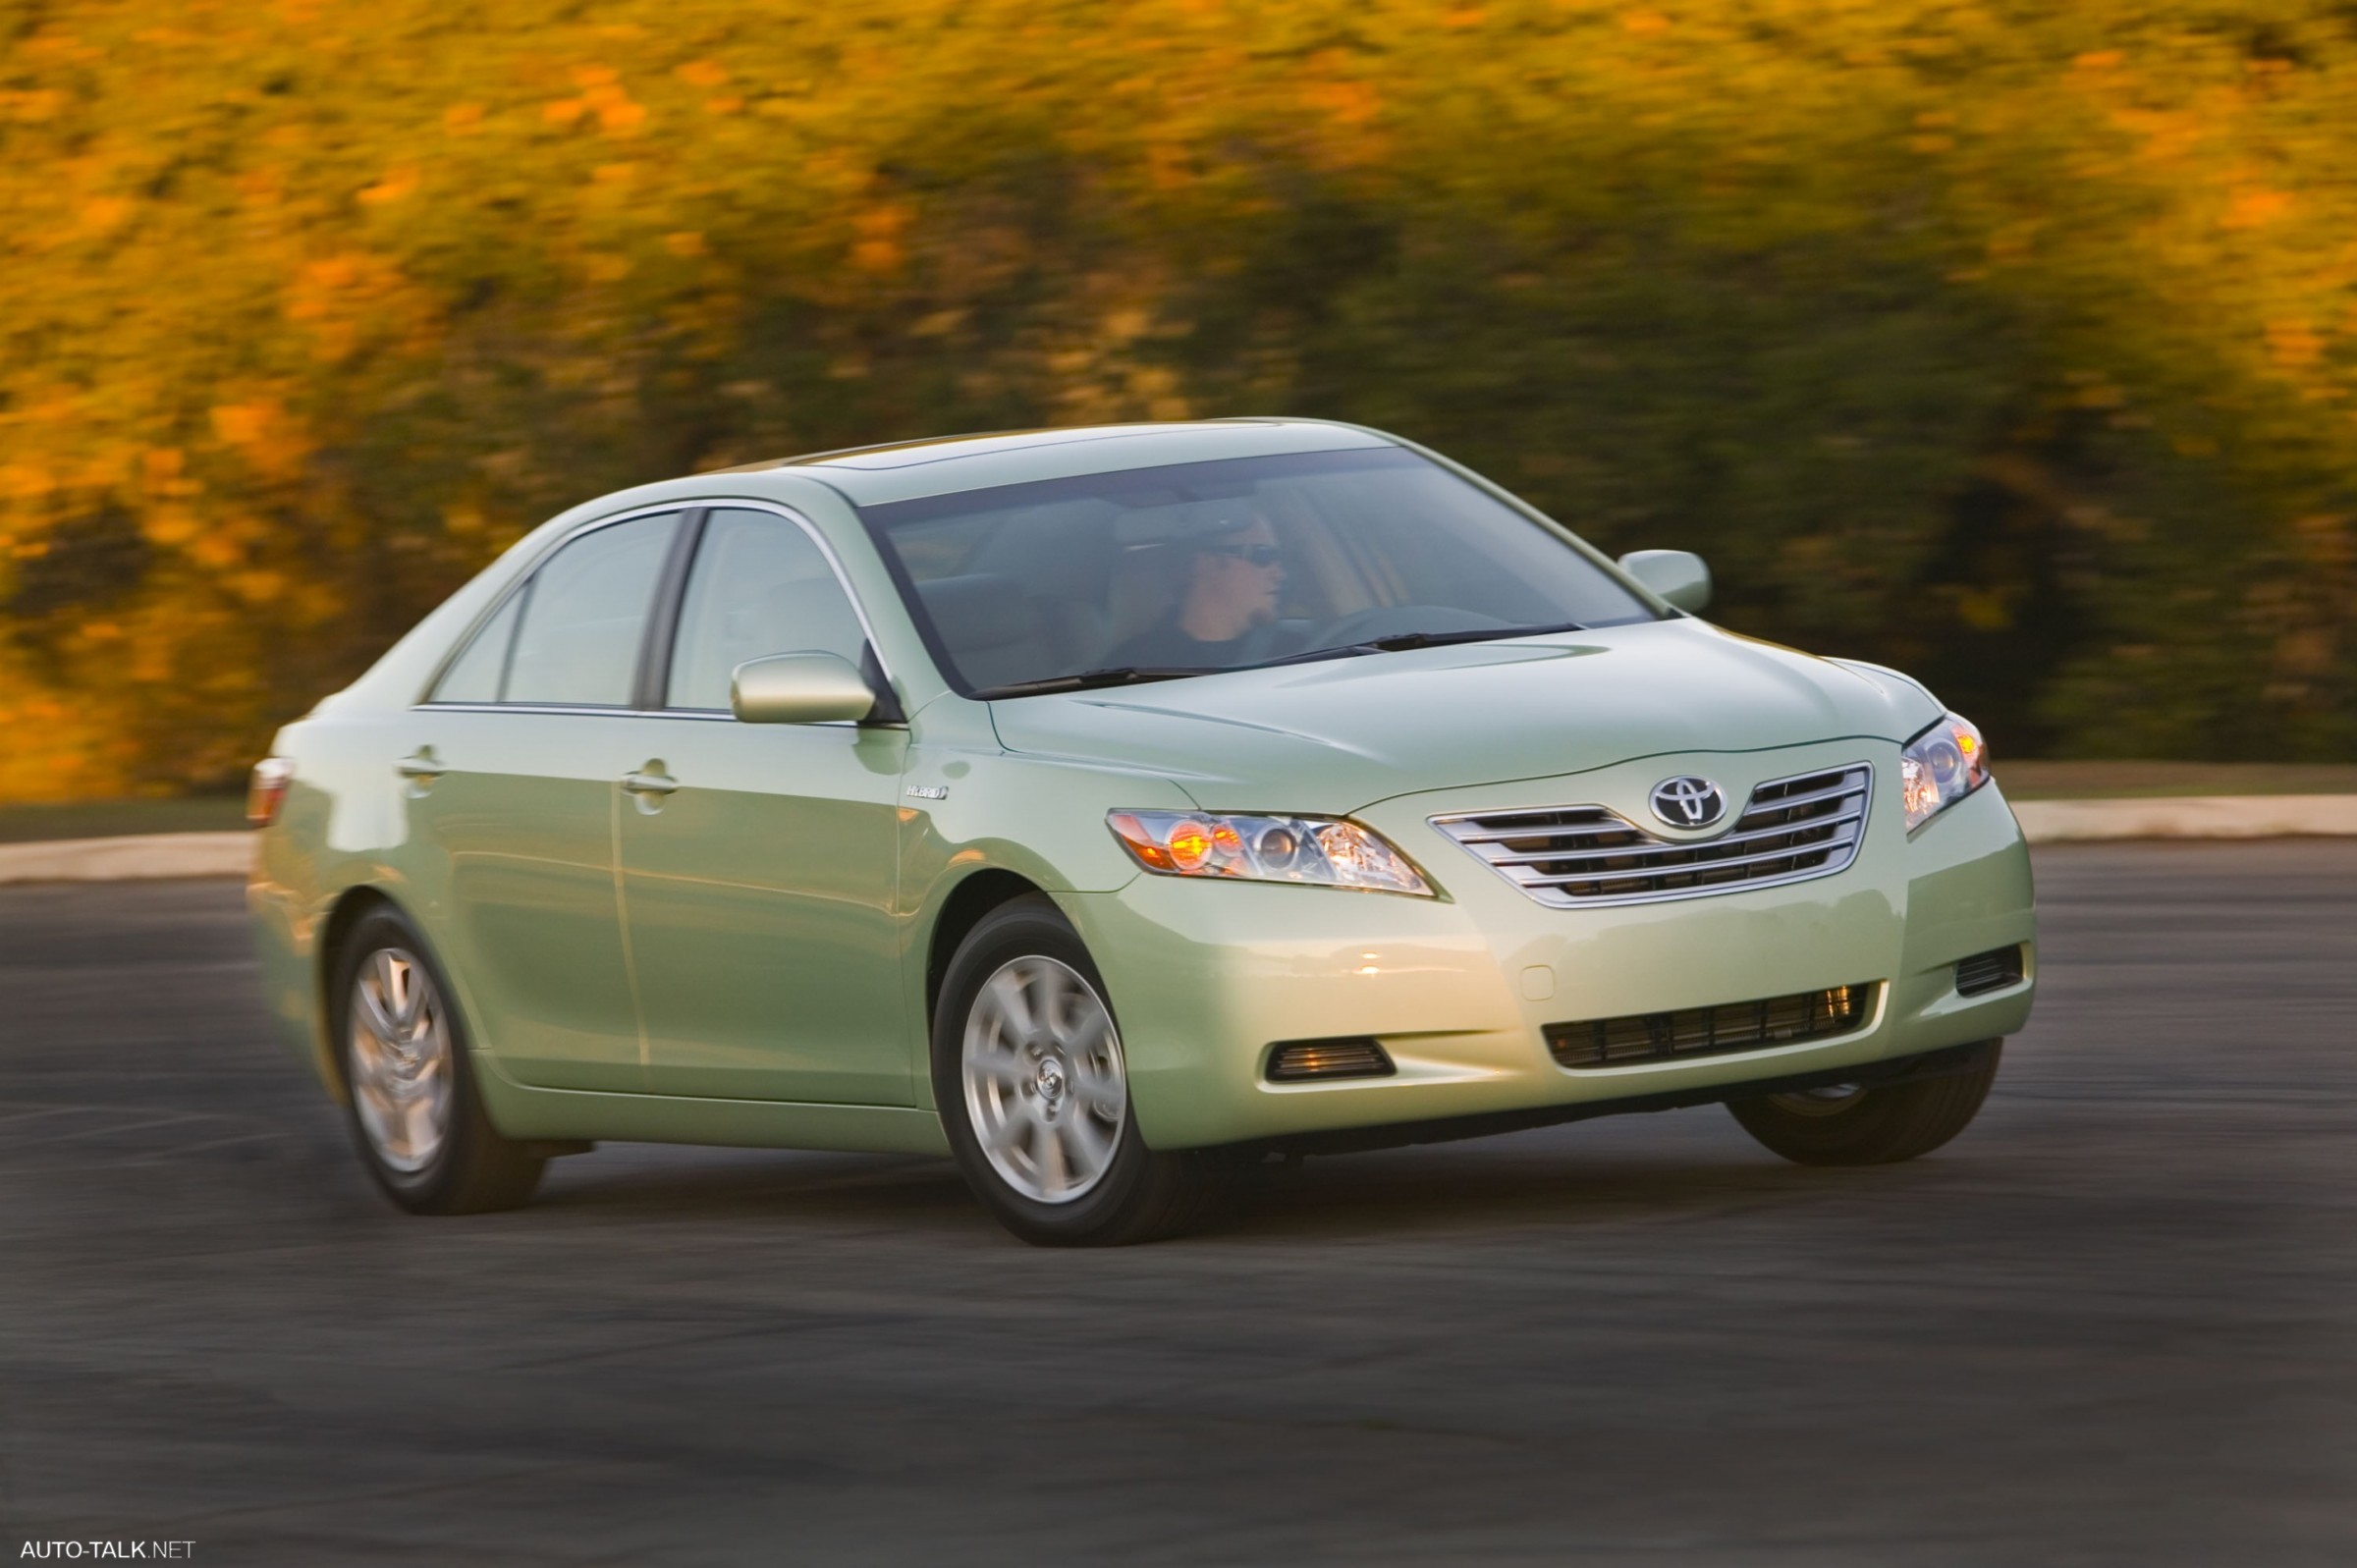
(1152, 573)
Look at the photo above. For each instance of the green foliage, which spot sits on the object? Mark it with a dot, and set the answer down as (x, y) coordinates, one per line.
(2013, 344)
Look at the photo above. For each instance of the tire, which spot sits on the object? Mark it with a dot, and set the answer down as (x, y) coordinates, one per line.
(1033, 1092)
(411, 1099)
(1853, 1126)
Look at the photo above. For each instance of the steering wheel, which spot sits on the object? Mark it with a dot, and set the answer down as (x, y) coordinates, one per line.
(1391, 621)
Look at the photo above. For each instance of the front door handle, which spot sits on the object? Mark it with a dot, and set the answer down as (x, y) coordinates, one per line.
(649, 784)
(420, 765)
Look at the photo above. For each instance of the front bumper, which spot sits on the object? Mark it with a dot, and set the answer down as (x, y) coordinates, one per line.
(1204, 976)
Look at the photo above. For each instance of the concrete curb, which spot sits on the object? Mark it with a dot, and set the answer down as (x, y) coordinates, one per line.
(231, 854)
(2188, 817)
(134, 858)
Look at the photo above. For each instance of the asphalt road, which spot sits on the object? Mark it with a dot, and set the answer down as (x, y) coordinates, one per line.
(2112, 1323)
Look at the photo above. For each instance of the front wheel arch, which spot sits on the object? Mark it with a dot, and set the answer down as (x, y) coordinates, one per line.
(1143, 1193)
(966, 906)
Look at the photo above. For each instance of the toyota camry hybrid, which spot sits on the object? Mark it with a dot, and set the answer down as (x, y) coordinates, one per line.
(1108, 809)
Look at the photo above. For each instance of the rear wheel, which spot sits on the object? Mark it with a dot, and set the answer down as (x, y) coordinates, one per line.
(1034, 1093)
(1856, 1125)
(415, 1113)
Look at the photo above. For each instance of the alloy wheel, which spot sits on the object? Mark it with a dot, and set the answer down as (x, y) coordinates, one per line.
(401, 1061)
(1046, 1090)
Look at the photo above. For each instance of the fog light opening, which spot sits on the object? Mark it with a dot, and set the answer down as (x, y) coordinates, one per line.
(1308, 1061)
(1994, 970)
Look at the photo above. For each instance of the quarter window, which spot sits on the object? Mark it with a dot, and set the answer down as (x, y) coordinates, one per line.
(760, 586)
(476, 675)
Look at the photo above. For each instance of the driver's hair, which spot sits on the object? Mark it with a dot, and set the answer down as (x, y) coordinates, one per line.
(1243, 520)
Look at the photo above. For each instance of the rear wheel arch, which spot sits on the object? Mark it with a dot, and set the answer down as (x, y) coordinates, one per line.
(352, 906)
(410, 1094)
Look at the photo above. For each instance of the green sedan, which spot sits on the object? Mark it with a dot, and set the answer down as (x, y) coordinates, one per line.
(1109, 808)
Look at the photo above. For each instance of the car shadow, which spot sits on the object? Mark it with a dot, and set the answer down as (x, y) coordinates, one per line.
(644, 1181)
(1579, 1176)
(1552, 1183)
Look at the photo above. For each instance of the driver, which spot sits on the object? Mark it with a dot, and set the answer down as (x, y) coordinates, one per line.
(1231, 579)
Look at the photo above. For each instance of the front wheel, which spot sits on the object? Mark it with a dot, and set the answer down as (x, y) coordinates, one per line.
(1854, 1125)
(1034, 1092)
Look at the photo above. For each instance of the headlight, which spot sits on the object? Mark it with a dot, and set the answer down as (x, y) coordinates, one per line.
(1323, 850)
(1941, 767)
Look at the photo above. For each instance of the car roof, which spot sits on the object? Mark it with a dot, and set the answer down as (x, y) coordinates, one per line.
(911, 470)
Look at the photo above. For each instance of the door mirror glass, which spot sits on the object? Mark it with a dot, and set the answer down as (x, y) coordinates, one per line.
(799, 689)
(1677, 575)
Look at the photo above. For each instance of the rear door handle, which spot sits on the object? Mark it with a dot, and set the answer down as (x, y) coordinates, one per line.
(649, 784)
(420, 763)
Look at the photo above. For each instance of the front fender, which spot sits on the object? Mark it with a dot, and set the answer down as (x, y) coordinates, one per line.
(969, 807)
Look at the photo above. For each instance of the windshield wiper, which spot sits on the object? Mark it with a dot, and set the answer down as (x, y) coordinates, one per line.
(1090, 679)
(1138, 675)
(1401, 643)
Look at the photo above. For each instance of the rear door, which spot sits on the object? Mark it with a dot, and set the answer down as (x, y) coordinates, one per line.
(515, 779)
(758, 861)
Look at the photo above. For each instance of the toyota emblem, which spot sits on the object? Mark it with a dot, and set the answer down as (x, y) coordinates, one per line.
(1687, 802)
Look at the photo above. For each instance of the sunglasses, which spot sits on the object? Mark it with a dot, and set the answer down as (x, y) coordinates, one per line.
(1257, 554)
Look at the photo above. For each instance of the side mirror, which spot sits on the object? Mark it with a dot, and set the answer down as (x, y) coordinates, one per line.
(799, 689)
(1677, 575)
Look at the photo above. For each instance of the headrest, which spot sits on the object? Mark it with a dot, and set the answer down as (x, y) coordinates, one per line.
(979, 611)
(1186, 523)
(810, 613)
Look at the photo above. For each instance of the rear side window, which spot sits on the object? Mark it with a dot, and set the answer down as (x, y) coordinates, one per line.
(760, 586)
(571, 636)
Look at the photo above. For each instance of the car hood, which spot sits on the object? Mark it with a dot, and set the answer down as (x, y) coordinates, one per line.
(1340, 734)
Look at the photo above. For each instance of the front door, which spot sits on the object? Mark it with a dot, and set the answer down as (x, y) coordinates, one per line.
(758, 861)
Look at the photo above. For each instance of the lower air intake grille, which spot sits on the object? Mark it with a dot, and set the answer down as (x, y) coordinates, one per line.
(1577, 857)
(1299, 1061)
(1988, 971)
(1713, 1031)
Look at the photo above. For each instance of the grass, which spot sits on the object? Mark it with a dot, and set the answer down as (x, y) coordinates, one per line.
(2128, 781)
(112, 819)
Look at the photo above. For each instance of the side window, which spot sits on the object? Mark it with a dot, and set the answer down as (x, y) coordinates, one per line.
(759, 586)
(476, 673)
(583, 615)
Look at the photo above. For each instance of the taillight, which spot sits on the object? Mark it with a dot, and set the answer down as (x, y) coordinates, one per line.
(268, 790)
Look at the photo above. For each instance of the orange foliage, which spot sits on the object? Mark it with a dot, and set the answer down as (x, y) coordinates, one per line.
(309, 309)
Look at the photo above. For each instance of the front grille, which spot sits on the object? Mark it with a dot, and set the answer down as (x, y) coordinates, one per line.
(1298, 1060)
(1988, 971)
(1713, 1031)
(1574, 858)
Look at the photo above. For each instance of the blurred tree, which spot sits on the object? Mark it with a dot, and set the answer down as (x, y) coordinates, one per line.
(2009, 342)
